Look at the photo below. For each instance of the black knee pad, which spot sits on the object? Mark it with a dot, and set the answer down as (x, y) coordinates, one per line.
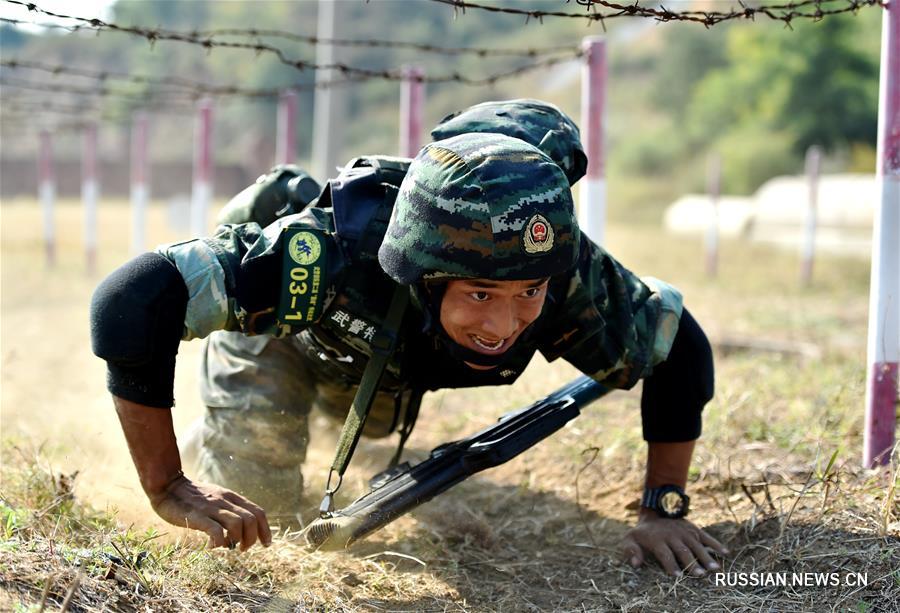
(137, 318)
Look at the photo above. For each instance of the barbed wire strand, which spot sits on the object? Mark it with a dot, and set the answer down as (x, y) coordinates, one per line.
(87, 105)
(257, 33)
(259, 47)
(198, 88)
(154, 101)
(777, 12)
(103, 91)
(390, 44)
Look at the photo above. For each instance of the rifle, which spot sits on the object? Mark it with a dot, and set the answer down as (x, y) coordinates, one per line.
(404, 487)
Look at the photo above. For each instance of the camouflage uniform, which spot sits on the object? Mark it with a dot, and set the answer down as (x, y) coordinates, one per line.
(259, 390)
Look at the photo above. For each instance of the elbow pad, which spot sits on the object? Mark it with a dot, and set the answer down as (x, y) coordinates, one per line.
(137, 319)
(675, 394)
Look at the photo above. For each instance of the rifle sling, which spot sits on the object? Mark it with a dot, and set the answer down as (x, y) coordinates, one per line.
(384, 343)
(409, 421)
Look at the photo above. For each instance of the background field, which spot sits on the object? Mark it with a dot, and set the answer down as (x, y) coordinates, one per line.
(776, 474)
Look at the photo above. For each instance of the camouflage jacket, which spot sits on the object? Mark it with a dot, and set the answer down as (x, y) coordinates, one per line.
(601, 318)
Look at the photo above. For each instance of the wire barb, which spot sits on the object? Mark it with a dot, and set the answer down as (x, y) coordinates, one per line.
(776, 12)
(549, 55)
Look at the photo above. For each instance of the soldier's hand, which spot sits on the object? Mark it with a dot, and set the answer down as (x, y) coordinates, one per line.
(677, 544)
(228, 518)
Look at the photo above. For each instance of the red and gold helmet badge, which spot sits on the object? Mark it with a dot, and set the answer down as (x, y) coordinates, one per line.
(538, 236)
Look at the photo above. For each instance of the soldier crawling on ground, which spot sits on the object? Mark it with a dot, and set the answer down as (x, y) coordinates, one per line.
(480, 230)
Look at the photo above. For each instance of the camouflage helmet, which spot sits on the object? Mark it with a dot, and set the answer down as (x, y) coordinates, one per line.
(481, 206)
(538, 123)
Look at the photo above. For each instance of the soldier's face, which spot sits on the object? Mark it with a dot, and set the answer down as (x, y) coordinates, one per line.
(488, 316)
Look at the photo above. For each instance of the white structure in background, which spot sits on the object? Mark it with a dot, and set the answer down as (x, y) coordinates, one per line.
(778, 213)
(690, 215)
(844, 213)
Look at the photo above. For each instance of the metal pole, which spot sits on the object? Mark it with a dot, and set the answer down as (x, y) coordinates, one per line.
(884, 294)
(592, 205)
(140, 192)
(286, 143)
(813, 162)
(412, 99)
(328, 109)
(90, 195)
(203, 168)
(714, 183)
(47, 194)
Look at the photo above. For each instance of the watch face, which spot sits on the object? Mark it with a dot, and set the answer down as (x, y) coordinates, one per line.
(671, 503)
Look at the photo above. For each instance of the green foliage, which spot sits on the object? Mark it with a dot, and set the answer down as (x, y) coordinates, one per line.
(689, 55)
(811, 83)
(750, 155)
(756, 92)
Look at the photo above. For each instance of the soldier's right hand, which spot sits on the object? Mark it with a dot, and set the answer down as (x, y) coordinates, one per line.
(228, 518)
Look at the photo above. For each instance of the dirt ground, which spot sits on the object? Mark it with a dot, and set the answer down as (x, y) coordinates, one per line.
(539, 533)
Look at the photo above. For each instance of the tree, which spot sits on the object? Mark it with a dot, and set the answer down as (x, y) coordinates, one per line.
(811, 82)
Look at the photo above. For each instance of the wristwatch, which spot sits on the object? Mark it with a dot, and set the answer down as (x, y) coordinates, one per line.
(668, 500)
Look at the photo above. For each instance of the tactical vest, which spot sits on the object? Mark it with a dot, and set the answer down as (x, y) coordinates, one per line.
(362, 198)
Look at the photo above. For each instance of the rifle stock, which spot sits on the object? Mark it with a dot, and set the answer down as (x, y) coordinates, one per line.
(404, 487)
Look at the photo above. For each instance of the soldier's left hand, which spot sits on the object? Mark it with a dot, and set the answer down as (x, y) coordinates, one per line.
(677, 544)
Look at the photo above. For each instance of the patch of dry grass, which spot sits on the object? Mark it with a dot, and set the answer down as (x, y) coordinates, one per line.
(776, 474)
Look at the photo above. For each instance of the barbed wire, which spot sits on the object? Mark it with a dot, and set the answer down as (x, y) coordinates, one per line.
(259, 47)
(777, 12)
(197, 88)
(20, 129)
(27, 107)
(81, 106)
(66, 88)
(125, 102)
(257, 33)
(482, 52)
(36, 99)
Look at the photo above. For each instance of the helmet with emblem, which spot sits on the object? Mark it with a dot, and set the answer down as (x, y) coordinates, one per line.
(482, 205)
(536, 122)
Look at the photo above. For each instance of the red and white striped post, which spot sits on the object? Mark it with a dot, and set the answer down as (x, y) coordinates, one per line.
(90, 192)
(412, 102)
(140, 191)
(592, 205)
(203, 168)
(286, 143)
(884, 297)
(813, 162)
(47, 194)
(714, 187)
